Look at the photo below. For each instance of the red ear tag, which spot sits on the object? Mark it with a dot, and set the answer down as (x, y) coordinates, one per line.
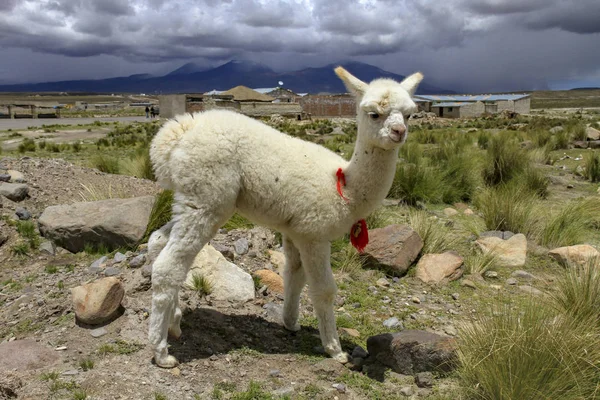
(359, 235)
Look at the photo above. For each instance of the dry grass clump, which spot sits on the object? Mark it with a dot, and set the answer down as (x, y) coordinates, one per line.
(437, 238)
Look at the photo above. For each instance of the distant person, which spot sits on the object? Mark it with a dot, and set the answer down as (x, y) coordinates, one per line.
(152, 112)
(147, 111)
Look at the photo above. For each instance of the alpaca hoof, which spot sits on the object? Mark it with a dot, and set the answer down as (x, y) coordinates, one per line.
(174, 333)
(166, 362)
(292, 327)
(341, 357)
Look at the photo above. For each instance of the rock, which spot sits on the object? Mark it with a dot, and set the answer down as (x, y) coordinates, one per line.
(580, 144)
(468, 211)
(98, 265)
(10, 383)
(98, 332)
(24, 355)
(498, 234)
(450, 212)
(383, 282)
(274, 312)
(229, 282)
(137, 261)
(455, 296)
(491, 274)
(434, 268)
(556, 129)
(99, 301)
(415, 300)
(14, 191)
(48, 247)
(147, 271)
(510, 253)
(340, 387)
(468, 283)
(393, 323)
(112, 271)
(592, 133)
(412, 351)
(119, 257)
(4, 177)
(16, 176)
(273, 281)
(241, 246)
(579, 254)
(277, 259)
(113, 223)
(350, 332)
(359, 352)
(393, 248)
(522, 275)
(407, 391)
(594, 144)
(285, 392)
(225, 250)
(22, 214)
(511, 281)
(424, 379)
(530, 290)
(450, 330)
(274, 373)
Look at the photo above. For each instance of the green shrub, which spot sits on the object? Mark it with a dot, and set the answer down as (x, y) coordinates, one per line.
(508, 207)
(577, 293)
(161, 213)
(578, 132)
(503, 161)
(237, 221)
(591, 169)
(483, 140)
(436, 237)
(534, 180)
(560, 140)
(573, 224)
(76, 147)
(42, 144)
(53, 147)
(139, 165)
(106, 164)
(201, 284)
(528, 353)
(461, 176)
(26, 145)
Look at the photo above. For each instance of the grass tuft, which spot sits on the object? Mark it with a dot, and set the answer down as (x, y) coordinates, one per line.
(436, 237)
(591, 170)
(161, 213)
(201, 284)
(577, 293)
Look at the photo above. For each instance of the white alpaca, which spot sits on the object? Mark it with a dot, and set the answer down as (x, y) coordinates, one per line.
(219, 162)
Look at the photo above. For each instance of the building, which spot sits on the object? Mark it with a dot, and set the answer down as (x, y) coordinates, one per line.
(464, 106)
(330, 105)
(240, 99)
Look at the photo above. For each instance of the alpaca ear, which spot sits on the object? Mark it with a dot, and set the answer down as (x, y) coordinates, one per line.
(411, 83)
(353, 84)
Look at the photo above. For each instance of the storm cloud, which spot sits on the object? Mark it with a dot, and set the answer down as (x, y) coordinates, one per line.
(471, 45)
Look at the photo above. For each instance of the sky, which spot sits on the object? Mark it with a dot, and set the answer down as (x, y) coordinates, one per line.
(464, 45)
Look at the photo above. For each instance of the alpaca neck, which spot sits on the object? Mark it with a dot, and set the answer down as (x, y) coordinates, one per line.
(369, 176)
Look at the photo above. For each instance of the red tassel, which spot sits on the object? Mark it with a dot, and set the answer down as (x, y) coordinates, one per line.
(359, 235)
(341, 181)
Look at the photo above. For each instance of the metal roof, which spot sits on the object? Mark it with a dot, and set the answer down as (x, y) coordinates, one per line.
(449, 104)
(478, 97)
(213, 92)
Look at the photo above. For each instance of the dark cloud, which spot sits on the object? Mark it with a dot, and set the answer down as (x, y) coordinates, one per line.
(475, 44)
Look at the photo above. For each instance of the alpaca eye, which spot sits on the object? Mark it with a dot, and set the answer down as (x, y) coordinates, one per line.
(373, 115)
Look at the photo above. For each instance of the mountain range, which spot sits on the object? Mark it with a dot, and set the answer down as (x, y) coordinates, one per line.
(191, 78)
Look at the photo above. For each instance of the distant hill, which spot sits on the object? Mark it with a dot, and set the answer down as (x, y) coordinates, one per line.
(191, 78)
(586, 88)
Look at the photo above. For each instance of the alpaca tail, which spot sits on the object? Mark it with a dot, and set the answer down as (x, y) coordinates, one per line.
(163, 145)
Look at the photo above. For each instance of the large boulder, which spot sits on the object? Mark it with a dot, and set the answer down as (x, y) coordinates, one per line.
(113, 223)
(14, 191)
(579, 254)
(592, 133)
(271, 279)
(509, 253)
(412, 351)
(434, 268)
(228, 281)
(99, 301)
(393, 248)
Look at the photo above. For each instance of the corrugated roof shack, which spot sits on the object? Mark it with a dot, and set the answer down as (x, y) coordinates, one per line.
(176, 104)
(466, 106)
(29, 109)
(336, 105)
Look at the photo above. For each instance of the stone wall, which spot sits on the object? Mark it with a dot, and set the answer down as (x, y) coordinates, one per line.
(472, 109)
(523, 106)
(171, 105)
(328, 106)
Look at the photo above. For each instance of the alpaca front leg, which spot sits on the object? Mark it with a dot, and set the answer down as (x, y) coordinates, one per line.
(294, 280)
(322, 290)
(175, 327)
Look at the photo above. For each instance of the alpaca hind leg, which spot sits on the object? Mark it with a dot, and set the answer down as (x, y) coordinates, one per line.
(193, 228)
(322, 290)
(294, 280)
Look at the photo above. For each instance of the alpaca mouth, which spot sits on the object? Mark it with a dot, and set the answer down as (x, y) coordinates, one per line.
(396, 137)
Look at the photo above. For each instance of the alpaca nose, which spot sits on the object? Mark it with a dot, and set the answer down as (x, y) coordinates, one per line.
(399, 129)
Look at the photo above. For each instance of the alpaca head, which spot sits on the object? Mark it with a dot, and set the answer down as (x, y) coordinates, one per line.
(383, 108)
